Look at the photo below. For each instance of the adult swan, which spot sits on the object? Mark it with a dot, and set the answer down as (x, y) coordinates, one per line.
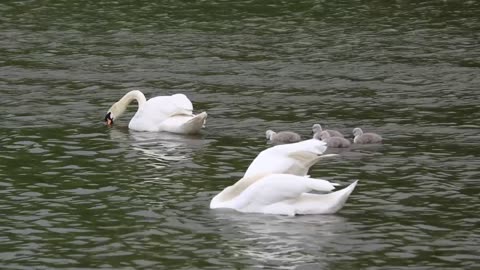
(163, 113)
(276, 183)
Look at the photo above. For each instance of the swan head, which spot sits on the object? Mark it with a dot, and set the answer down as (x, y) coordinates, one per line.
(108, 119)
(269, 134)
(316, 128)
(114, 112)
(357, 132)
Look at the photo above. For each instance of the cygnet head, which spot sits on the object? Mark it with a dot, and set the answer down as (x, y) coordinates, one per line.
(357, 132)
(316, 128)
(324, 135)
(269, 134)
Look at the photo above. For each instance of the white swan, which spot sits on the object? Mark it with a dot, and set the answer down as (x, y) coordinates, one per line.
(282, 194)
(317, 128)
(365, 138)
(163, 113)
(282, 137)
(293, 158)
(276, 183)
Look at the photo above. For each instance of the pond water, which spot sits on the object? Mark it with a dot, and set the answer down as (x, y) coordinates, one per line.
(78, 195)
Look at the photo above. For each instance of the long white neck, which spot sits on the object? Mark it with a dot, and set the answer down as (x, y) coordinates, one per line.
(131, 96)
(120, 106)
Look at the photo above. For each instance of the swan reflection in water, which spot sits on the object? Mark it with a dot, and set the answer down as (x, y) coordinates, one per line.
(159, 147)
(281, 241)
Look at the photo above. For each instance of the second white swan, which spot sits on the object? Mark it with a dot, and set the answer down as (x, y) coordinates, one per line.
(162, 113)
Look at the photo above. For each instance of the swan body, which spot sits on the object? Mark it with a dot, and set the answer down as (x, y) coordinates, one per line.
(317, 128)
(365, 138)
(282, 137)
(333, 142)
(293, 158)
(163, 113)
(282, 194)
(276, 182)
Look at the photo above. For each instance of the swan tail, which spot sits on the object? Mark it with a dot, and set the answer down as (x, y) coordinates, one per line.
(319, 184)
(184, 124)
(195, 124)
(330, 203)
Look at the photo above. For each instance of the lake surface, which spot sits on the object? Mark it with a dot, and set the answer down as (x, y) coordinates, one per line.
(75, 194)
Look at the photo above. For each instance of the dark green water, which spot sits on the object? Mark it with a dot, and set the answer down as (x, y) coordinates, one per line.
(77, 195)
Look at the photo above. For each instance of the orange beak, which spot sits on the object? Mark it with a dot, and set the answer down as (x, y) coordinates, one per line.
(109, 122)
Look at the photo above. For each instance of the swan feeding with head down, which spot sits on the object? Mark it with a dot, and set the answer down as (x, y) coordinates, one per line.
(162, 113)
(276, 182)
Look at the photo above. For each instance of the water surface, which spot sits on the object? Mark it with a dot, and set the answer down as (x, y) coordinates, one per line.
(78, 195)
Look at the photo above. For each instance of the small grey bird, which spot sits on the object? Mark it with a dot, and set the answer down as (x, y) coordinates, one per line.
(282, 137)
(317, 128)
(333, 142)
(365, 138)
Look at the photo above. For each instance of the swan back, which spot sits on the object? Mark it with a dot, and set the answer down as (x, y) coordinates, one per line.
(165, 106)
(167, 113)
(294, 158)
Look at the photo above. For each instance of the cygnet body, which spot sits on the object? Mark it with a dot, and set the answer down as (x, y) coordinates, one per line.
(282, 137)
(317, 128)
(365, 138)
(333, 142)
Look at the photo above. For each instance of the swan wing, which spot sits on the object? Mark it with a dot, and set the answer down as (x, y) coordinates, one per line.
(165, 106)
(309, 203)
(263, 195)
(295, 158)
(231, 197)
(158, 109)
(184, 124)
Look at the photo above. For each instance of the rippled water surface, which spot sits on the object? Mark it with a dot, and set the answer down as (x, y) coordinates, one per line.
(78, 195)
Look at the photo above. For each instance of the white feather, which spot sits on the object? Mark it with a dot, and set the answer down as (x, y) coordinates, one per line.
(294, 158)
(163, 113)
(283, 194)
(276, 182)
